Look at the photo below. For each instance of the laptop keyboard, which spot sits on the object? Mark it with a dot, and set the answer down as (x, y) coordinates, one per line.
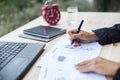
(8, 50)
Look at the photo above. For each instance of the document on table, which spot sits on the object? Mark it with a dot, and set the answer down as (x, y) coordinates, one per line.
(58, 63)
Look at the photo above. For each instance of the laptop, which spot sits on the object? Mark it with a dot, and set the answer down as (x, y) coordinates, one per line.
(16, 58)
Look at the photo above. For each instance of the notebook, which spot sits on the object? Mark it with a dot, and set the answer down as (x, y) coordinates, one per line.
(16, 58)
(44, 31)
(32, 37)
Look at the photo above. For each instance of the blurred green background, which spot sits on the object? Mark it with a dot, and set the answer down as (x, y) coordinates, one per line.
(15, 13)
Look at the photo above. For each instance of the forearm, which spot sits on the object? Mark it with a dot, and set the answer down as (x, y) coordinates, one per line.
(108, 35)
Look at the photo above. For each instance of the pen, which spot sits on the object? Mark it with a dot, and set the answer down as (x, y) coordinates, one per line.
(78, 30)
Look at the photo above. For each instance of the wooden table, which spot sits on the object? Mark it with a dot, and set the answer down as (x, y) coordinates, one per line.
(92, 20)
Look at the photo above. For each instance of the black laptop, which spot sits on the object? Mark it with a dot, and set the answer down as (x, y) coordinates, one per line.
(16, 58)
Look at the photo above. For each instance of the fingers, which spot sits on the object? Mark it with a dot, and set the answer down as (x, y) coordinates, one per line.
(85, 69)
(74, 36)
(83, 63)
(82, 36)
(76, 44)
(84, 66)
(88, 66)
(76, 40)
(71, 32)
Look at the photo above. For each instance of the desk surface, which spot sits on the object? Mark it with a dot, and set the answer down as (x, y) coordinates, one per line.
(93, 20)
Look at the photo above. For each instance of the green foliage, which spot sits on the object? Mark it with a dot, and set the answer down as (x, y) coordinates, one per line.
(107, 5)
(15, 13)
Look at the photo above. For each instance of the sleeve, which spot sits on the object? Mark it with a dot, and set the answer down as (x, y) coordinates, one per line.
(117, 75)
(108, 35)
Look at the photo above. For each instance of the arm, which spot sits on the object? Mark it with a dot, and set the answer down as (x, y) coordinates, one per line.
(108, 35)
(102, 35)
(117, 75)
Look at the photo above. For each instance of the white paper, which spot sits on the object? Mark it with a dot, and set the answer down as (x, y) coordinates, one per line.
(51, 73)
(60, 61)
(83, 52)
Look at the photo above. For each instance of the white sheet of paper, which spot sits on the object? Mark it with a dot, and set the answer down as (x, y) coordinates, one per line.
(83, 52)
(62, 58)
(59, 74)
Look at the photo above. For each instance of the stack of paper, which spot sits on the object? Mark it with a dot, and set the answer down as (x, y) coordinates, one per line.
(59, 63)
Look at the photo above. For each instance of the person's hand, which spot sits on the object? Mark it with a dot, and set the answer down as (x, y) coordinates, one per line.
(83, 36)
(99, 65)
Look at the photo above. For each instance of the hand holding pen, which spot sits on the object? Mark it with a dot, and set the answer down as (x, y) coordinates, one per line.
(76, 40)
(79, 36)
(78, 30)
